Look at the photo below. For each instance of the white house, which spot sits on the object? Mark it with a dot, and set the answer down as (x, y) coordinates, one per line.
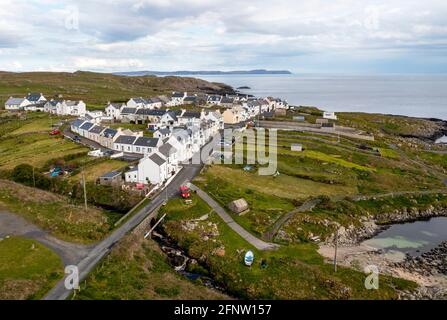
(152, 169)
(84, 128)
(329, 115)
(162, 133)
(35, 98)
(138, 102)
(214, 99)
(14, 104)
(176, 99)
(146, 145)
(52, 106)
(181, 141)
(76, 124)
(113, 110)
(124, 143)
(95, 116)
(168, 120)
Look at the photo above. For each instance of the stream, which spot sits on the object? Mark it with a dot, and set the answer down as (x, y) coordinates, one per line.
(181, 262)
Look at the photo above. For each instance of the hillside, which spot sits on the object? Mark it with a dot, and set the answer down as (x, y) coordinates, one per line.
(98, 88)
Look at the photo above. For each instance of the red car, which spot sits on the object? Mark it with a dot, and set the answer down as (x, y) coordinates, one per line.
(184, 191)
(55, 132)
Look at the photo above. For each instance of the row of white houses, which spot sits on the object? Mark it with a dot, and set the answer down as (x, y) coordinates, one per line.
(177, 137)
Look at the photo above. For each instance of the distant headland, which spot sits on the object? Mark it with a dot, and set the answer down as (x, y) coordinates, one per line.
(202, 73)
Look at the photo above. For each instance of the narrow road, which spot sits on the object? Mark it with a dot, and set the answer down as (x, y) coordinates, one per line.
(257, 243)
(14, 225)
(101, 249)
(306, 206)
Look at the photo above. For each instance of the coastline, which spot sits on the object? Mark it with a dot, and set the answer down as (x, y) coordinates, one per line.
(427, 271)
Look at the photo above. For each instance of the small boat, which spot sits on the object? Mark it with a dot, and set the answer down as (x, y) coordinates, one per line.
(249, 257)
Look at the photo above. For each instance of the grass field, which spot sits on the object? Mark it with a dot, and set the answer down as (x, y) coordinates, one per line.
(27, 269)
(95, 169)
(96, 89)
(54, 213)
(292, 272)
(136, 269)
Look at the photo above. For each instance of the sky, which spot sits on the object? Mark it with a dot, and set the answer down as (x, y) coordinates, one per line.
(312, 36)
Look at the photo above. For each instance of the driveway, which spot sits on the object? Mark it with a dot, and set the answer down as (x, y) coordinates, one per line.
(14, 225)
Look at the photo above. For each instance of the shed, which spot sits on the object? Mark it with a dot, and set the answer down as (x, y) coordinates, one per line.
(296, 147)
(239, 206)
(111, 178)
(280, 112)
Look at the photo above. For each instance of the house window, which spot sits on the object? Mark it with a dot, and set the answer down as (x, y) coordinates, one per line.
(138, 149)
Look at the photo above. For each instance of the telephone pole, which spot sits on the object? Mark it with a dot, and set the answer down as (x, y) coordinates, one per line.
(85, 191)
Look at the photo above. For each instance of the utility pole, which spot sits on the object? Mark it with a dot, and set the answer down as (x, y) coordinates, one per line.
(336, 249)
(85, 191)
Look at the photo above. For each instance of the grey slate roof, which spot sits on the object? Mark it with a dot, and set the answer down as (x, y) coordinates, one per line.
(111, 174)
(76, 123)
(54, 102)
(128, 110)
(151, 112)
(33, 97)
(96, 129)
(164, 131)
(190, 99)
(125, 139)
(227, 100)
(167, 149)
(109, 133)
(14, 101)
(87, 126)
(191, 114)
(157, 159)
(178, 95)
(146, 142)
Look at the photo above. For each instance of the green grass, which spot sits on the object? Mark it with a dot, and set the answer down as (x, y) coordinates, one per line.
(293, 272)
(334, 159)
(388, 153)
(94, 170)
(34, 149)
(137, 270)
(96, 89)
(54, 213)
(27, 269)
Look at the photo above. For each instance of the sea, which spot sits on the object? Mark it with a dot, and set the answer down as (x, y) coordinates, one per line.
(409, 95)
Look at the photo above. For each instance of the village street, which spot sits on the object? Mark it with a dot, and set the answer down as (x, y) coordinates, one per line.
(96, 253)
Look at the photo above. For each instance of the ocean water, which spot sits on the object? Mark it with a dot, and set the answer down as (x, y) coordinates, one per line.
(410, 95)
(413, 238)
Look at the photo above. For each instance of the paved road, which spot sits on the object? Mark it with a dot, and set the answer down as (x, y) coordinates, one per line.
(257, 243)
(86, 142)
(11, 224)
(87, 263)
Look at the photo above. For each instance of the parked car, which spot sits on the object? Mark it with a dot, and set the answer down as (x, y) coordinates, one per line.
(55, 132)
(76, 139)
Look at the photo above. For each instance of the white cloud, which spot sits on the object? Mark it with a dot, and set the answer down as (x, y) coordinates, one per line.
(196, 34)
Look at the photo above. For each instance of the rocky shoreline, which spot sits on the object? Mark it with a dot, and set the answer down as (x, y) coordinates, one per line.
(429, 270)
(430, 263)
(372, 225)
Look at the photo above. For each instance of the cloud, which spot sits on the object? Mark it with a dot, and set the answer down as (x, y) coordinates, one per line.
(105, 64)
(196, 34)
